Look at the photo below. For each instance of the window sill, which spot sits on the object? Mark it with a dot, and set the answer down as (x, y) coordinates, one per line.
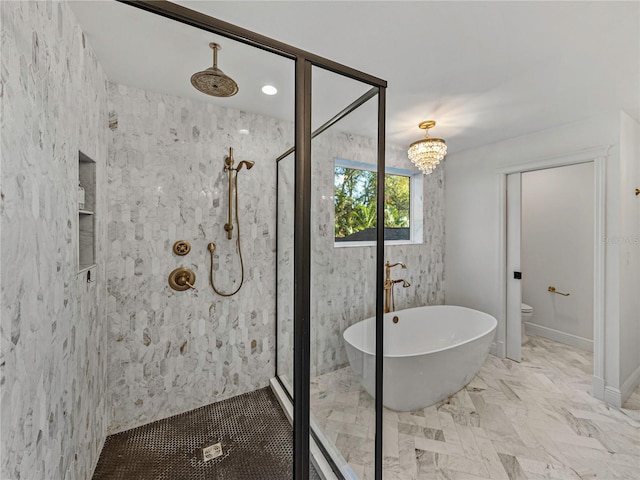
(373, 244)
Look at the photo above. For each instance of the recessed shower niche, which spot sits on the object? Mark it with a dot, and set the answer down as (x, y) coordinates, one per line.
(86, 212)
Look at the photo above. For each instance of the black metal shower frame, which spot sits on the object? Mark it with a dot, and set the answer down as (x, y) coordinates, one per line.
(373, 92)
(302, 227)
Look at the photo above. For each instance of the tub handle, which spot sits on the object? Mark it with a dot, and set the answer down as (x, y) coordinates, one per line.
(553, 290)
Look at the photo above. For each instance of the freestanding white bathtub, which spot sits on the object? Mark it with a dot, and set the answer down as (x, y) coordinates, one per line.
(429, 354)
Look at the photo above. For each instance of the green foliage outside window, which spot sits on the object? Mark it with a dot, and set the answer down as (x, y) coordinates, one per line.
(356, 203)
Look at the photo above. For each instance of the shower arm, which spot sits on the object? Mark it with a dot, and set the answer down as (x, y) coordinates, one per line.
(215, 54)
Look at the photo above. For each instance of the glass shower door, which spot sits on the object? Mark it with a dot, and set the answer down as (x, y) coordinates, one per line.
(329, 271)
(344, 155)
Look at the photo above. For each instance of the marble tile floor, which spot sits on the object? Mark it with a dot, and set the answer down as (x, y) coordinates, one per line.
(530, 420)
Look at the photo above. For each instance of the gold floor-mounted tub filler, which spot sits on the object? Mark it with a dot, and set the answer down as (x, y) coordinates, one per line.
(389, 300)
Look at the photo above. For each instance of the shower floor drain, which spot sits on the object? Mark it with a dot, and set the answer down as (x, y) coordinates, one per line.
(256, 438)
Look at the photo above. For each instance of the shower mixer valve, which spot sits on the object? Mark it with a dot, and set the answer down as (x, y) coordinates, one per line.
(182, 279)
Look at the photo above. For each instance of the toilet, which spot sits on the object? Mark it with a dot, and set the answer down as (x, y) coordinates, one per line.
(526, 314)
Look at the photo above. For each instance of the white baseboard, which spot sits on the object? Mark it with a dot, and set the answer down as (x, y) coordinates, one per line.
(629, 385)
(613, 396)
(498, 349)
(617, 397)
(558, 336)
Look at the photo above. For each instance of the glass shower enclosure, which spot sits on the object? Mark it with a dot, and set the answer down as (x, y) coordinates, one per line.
(340, 282)
(321, 289)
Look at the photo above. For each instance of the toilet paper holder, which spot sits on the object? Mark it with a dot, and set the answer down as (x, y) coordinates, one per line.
(553, 290)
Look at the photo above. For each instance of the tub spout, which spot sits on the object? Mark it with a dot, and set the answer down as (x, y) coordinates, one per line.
(405, 284)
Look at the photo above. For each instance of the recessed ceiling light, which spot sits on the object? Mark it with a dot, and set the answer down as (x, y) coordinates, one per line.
(243, 131)
(269, 90)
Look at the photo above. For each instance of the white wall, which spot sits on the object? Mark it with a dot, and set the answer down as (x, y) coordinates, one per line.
(628, 243)
(473, 220)
(557, 249)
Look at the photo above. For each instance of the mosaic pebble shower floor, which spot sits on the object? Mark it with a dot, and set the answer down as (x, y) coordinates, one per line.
(256, 437)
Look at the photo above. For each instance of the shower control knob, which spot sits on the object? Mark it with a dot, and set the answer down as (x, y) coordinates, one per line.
(182, 279)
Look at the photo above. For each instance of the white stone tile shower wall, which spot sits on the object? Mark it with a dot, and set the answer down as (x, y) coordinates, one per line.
(343, 278)
(170, 351)
(53, 346)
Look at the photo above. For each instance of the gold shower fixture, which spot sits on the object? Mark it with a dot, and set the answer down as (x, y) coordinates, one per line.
(181, 247)
(233, 179)
(182, 279)
(213, 81)
(228, 227)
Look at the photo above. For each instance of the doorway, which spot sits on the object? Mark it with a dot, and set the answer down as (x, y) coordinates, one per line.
(559, 255)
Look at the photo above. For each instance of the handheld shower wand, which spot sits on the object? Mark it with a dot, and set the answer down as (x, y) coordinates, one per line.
(228, 227)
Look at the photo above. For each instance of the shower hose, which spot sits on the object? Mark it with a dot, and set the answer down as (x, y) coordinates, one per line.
(212, 248)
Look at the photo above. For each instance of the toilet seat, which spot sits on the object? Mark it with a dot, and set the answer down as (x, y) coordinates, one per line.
(524, 308)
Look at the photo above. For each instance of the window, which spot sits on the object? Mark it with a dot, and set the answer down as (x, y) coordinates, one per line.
(356, 204)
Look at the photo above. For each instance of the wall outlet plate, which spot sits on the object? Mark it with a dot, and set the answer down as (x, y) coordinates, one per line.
(211, 452)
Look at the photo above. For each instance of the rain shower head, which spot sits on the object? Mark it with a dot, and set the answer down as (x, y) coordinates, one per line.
(213, 81)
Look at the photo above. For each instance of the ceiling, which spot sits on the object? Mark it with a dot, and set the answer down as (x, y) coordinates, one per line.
(485, 71)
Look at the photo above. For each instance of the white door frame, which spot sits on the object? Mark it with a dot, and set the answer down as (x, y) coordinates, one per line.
(598, 156)
(513, 334)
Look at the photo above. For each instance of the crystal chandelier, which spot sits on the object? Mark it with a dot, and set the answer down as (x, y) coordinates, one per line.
(427, 153)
